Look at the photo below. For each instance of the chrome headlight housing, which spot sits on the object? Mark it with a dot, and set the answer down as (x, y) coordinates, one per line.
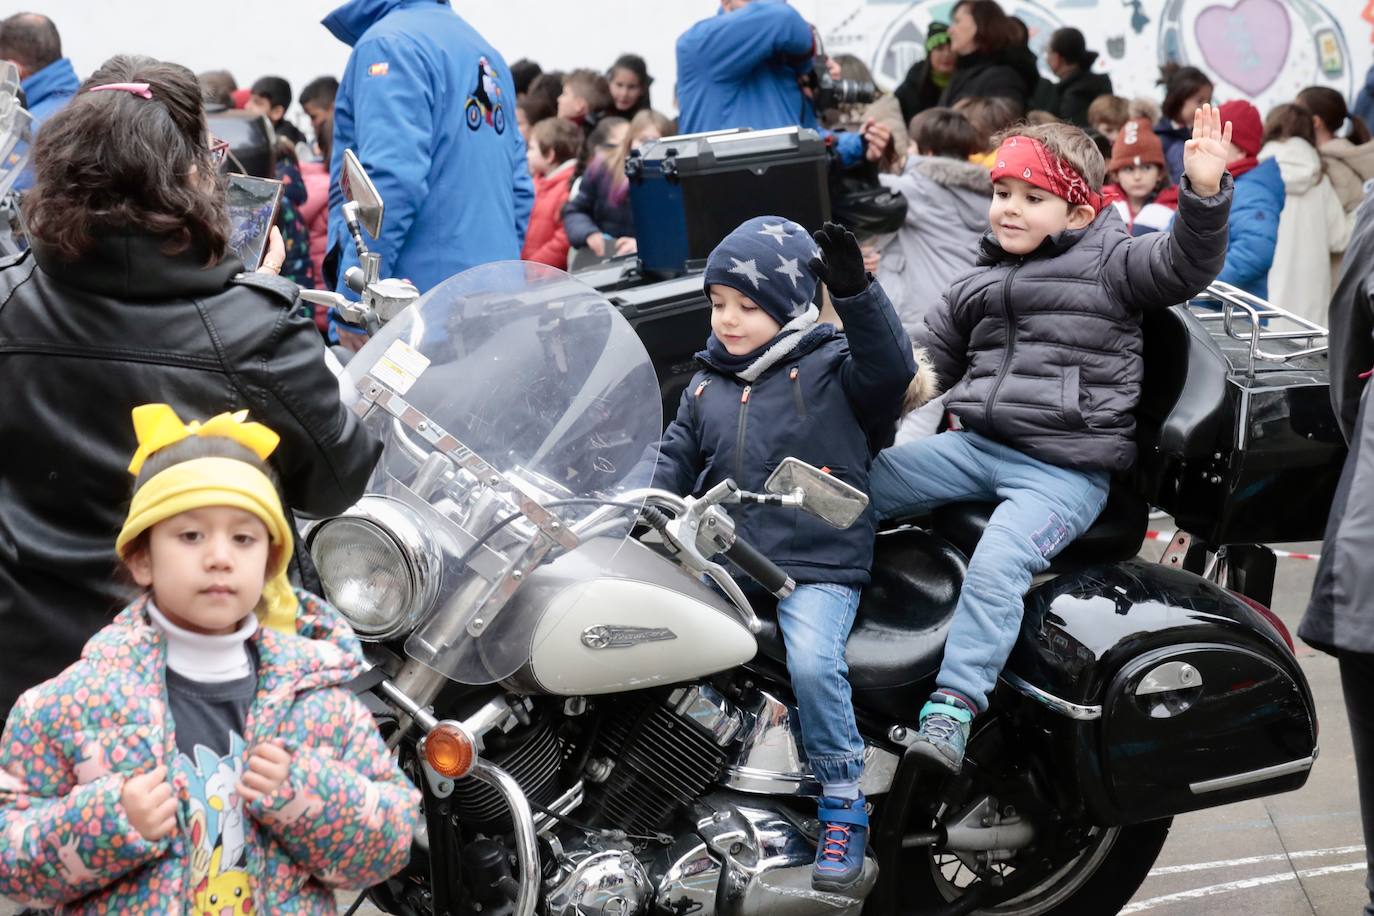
(378, 565)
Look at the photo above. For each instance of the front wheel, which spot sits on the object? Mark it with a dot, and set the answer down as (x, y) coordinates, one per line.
(1099, 880)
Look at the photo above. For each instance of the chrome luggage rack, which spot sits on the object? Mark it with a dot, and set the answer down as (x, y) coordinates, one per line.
(1251, 320)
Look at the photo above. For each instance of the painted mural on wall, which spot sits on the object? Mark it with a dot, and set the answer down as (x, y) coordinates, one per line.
(1263, 50)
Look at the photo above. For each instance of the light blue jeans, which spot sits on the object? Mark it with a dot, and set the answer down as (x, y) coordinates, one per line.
(1041, 509)
(816, 620)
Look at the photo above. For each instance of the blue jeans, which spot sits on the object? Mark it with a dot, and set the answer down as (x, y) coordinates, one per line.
(816, 620)
(1041, 509)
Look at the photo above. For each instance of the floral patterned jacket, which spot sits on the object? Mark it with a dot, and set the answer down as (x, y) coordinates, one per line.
(343, 818)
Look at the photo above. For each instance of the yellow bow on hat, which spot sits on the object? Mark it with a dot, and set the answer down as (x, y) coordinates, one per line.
(158, 426)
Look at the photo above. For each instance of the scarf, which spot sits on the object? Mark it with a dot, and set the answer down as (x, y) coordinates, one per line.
(1241, 166)
(749, 366)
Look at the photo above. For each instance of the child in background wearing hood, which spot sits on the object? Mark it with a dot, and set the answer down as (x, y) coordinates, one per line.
(1255, 209)
(1348, 160)
(947, 213)
(1139, 186)
(1312, 226)
(204, 755)
(778, 383)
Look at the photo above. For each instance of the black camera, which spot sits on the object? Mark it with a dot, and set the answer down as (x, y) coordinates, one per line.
(828, 93)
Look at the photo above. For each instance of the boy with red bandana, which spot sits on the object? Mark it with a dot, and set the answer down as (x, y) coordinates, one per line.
(1040, 352)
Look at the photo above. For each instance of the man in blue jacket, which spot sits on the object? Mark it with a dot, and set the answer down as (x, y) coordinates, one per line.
(429, 107)
(31, 42)
(741, 68)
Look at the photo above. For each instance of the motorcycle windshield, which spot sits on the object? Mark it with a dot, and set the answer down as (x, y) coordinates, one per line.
(543, 379)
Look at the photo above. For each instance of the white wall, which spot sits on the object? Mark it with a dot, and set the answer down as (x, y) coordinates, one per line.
(1263, 49)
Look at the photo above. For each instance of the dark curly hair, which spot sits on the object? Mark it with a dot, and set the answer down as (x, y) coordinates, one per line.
(115, 162)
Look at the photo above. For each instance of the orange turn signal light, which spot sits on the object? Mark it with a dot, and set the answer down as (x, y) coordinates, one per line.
(449, 750)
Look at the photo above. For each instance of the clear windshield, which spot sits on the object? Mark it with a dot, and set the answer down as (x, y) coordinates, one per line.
(543, 379)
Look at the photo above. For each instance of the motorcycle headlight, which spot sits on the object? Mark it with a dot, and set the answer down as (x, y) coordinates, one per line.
(377, 566)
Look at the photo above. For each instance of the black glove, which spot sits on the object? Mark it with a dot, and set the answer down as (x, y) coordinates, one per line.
(843, 267)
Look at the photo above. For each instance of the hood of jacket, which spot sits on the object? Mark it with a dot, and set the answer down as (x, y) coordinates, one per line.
(55, 82)
(966, 179)
(1360, 158)
(117, 265)
(1300, 165)
(349, 21)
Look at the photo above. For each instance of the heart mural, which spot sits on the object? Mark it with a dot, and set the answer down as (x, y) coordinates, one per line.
(1245, 44)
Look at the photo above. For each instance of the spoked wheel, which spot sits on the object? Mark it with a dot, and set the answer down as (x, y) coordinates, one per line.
(1098, 881)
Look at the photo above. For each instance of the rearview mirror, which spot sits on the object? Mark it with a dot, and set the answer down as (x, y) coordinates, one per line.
(357, 187)
(825, 496)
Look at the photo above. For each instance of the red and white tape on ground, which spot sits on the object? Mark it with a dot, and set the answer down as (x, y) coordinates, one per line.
(1286, 554)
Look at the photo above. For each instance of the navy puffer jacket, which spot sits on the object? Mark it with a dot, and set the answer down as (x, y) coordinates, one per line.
(1044, 353)
(833, 402)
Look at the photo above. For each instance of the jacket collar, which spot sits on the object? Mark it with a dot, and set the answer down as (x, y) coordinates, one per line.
(323, 652)
(125, 265)
(954, 173)
(991, 253)
(55, 81)
(350, 21)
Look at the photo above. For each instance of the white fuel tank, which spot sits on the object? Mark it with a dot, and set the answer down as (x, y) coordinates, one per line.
(638, 621)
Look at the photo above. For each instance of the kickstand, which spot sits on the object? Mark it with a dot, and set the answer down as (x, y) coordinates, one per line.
(356, 903)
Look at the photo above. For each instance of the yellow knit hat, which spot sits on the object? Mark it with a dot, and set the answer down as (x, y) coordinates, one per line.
(202, 482)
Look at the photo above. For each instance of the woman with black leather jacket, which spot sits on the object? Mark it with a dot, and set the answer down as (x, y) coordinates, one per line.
(128, 295)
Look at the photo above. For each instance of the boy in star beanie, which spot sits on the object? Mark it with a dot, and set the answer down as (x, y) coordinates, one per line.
(775, 383)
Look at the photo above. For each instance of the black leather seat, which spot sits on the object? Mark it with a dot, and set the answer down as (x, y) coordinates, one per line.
(898, 640)
(1116, 535)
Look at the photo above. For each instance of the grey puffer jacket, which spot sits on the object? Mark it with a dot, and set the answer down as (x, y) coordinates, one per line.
(1044, 353)
(946, 215)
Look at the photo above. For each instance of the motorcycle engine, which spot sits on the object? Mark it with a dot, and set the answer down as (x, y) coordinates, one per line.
(653, 765)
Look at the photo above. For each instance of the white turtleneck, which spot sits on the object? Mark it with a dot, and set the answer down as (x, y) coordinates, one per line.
(204, 658)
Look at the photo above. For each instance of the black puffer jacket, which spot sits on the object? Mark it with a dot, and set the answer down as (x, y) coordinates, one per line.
(1043, 353)
(82, 344)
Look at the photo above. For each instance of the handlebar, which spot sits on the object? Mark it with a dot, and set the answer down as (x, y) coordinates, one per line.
(759, 568)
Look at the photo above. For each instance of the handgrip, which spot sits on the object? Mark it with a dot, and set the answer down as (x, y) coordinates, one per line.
(759, 568)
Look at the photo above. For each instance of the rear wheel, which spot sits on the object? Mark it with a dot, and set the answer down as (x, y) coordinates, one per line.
(1098, 881)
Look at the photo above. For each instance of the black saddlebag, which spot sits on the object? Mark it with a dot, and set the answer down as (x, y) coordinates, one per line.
(1237, 437)
(1146, 692)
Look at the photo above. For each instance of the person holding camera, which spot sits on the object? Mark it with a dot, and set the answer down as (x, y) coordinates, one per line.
(752, 65)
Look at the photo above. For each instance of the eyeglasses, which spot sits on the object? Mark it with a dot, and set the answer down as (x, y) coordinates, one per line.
(219, 150)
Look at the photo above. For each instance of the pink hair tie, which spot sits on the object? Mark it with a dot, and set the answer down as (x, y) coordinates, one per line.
(139, 89)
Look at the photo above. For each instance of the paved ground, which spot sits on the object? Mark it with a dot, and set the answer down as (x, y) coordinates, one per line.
(1290, 855)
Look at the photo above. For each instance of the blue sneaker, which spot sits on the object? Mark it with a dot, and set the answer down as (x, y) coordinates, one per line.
(943, 736)
(844, 836)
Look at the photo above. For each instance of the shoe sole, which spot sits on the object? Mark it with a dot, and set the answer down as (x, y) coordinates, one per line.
(928, 752)
(835, 887)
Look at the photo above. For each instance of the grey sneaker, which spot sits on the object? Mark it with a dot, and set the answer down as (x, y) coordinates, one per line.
(943, 736)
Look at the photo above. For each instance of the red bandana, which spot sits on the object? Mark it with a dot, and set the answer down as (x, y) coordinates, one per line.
(1027, 159)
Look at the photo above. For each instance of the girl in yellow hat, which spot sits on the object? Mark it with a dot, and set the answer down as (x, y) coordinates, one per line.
(203, 755)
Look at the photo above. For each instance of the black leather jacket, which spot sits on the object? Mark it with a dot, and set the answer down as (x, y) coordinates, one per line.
(81, 344)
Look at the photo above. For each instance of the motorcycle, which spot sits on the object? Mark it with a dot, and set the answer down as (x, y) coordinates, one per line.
(597, 730)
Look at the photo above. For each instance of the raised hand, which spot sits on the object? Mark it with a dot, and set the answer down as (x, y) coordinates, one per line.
(268, 766)
(149, 803)
(1205, 156)
(841, 265)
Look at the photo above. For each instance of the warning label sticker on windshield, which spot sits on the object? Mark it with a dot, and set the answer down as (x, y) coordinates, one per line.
(400, 366)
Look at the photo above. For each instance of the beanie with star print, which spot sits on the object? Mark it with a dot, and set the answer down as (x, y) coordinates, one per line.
(766, 258)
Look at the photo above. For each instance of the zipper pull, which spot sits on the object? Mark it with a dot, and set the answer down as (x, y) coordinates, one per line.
(700, 389)
(793, 374)
(744, 395)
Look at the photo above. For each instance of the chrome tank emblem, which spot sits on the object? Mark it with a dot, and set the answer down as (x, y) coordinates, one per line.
(610, 636)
